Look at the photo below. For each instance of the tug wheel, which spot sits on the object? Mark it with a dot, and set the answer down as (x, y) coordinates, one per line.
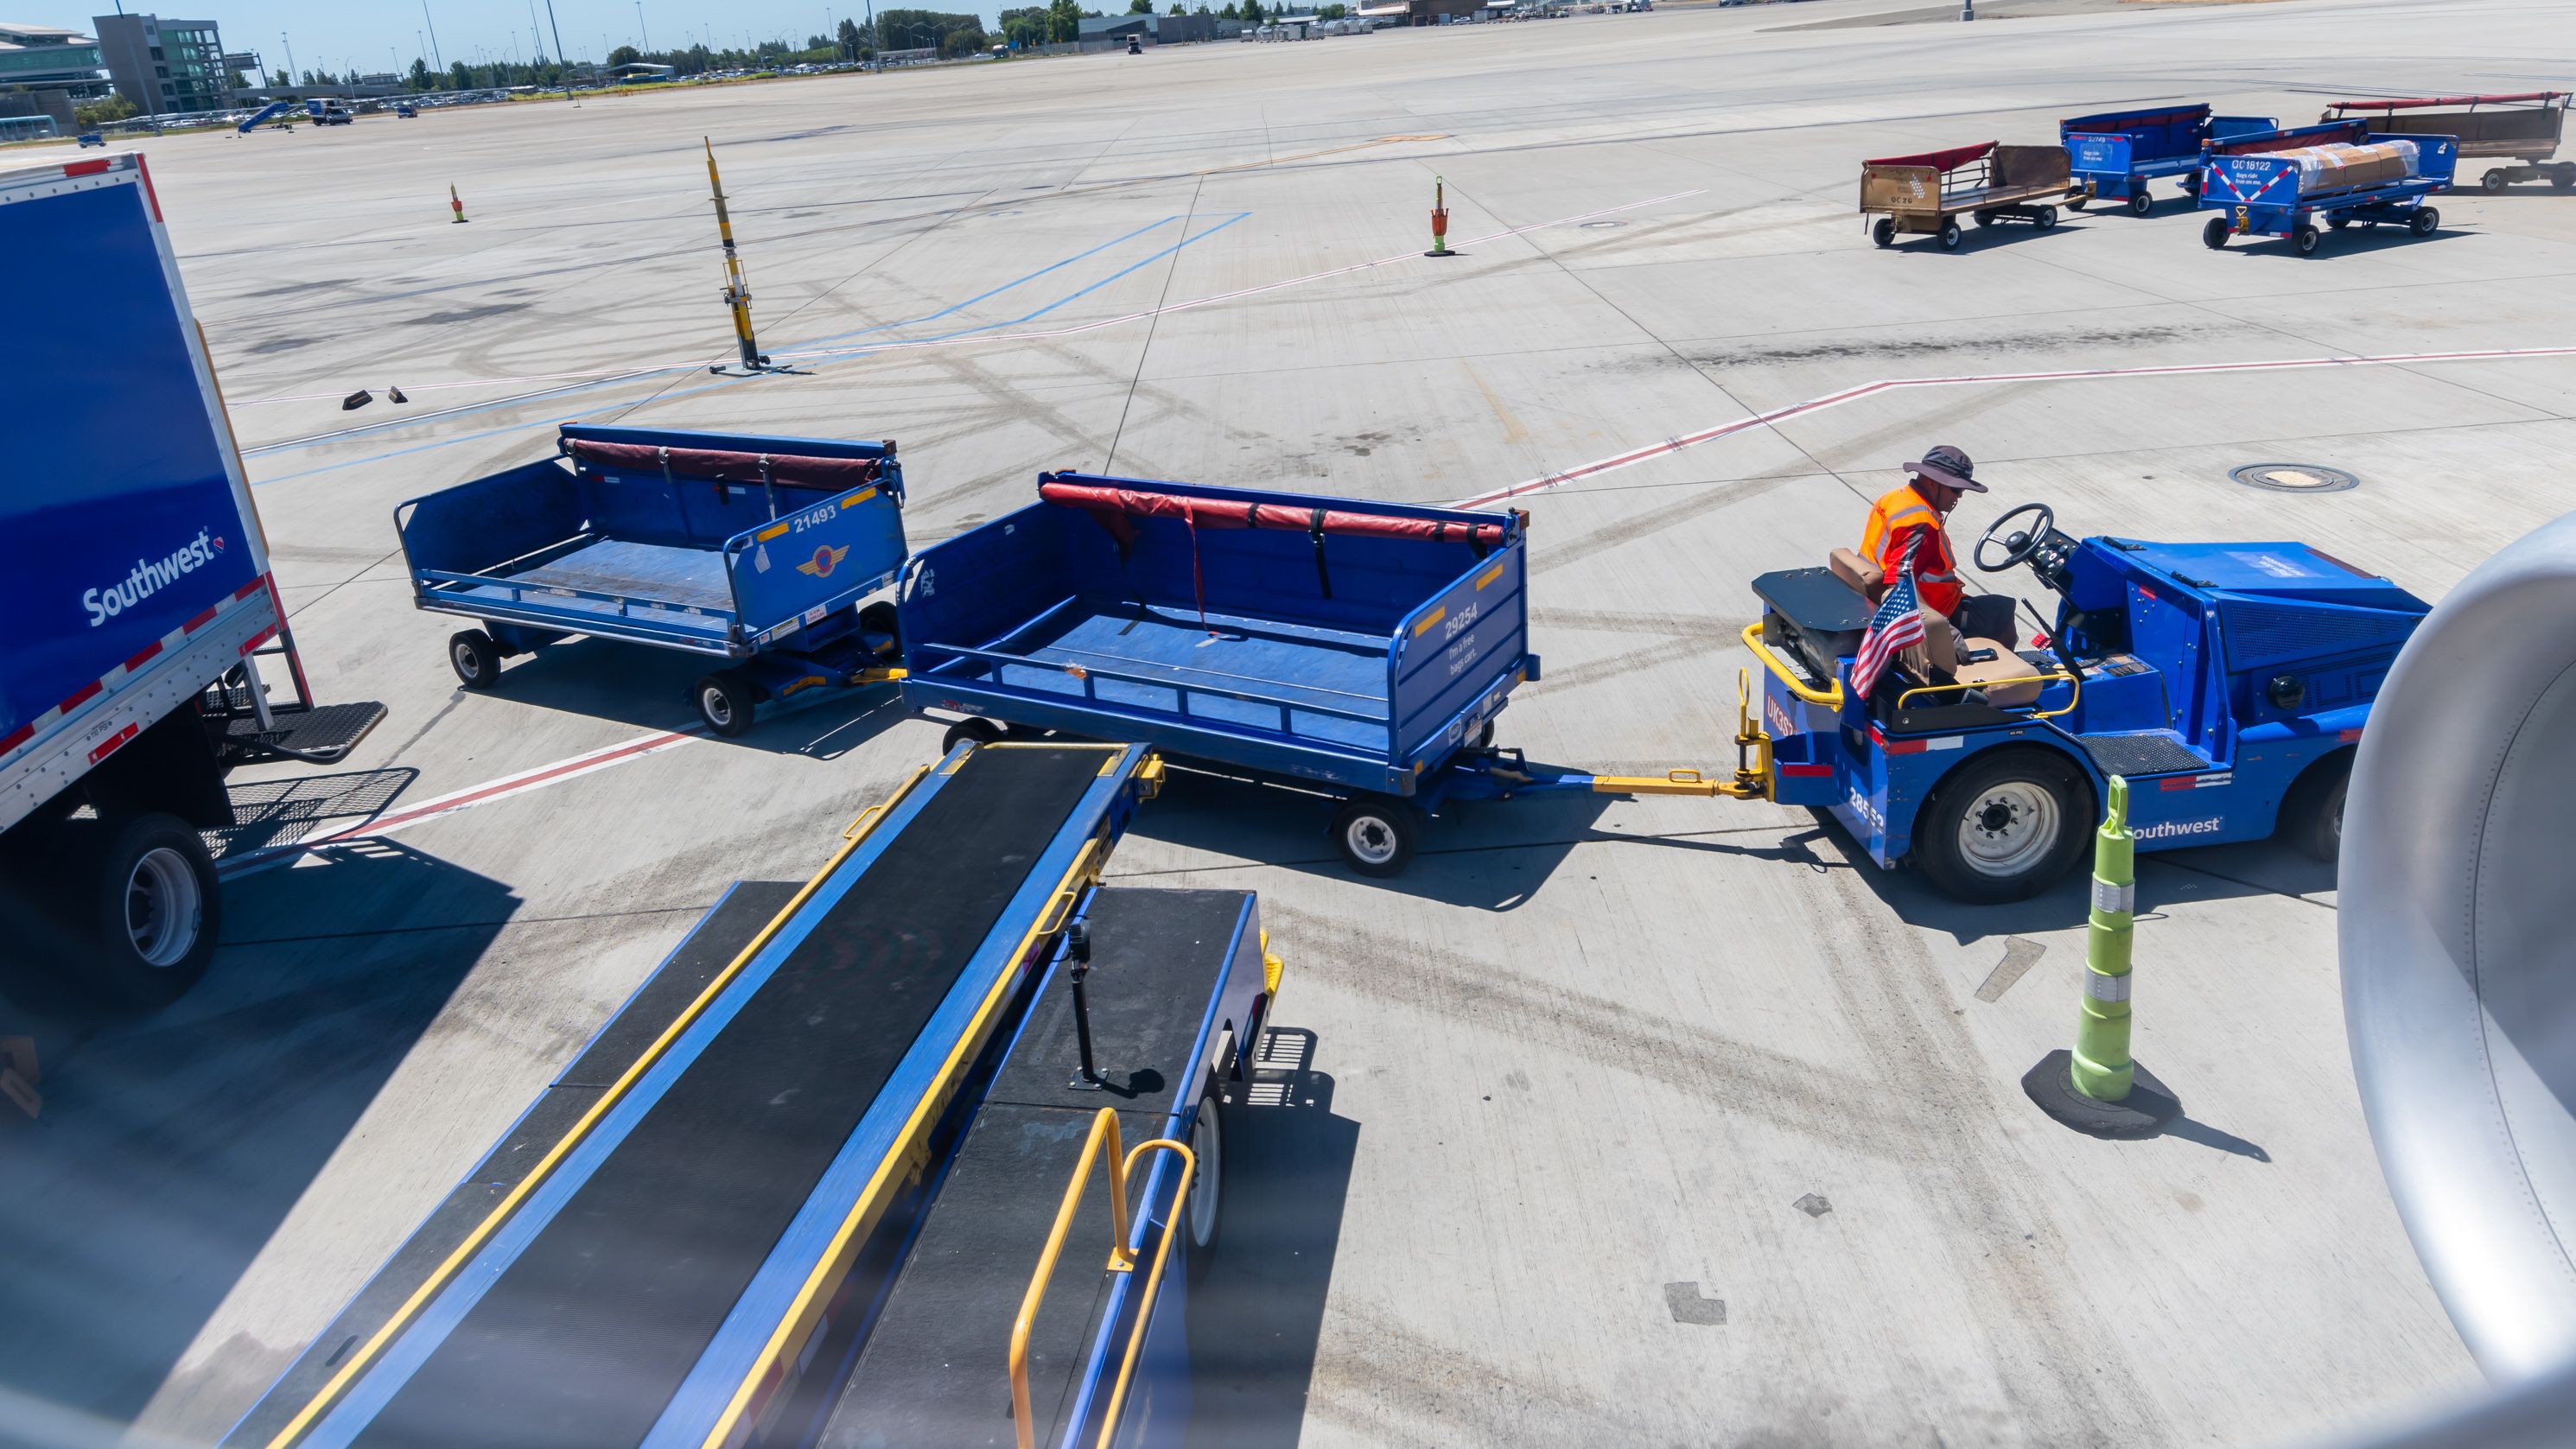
(2003, 827)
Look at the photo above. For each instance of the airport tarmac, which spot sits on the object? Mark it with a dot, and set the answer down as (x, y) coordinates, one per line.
(1660, 1122)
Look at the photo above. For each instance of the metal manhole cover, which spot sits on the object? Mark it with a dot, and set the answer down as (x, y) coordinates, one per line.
(2294, 477)
(1599, 225)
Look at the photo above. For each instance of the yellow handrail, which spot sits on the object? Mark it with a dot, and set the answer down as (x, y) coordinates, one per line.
(1830, 698)
(1104, 1125)
(2074, 696)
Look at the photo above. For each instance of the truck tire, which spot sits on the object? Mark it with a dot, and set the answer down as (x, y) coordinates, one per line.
(1375, 834)
(475, 658)
(2214, 234)
(726, 702)
(1203, 1215)
(2004, 826)
(978, 731)
(152, 908)
(2140, 203)
(2312, 813)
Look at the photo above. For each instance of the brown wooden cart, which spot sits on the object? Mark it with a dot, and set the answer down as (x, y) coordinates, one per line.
(2523, 127)
(1927, 194)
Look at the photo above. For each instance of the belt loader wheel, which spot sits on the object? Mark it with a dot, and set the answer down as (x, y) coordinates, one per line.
(1203, 1214)
(2003, 827)
(1375, 834)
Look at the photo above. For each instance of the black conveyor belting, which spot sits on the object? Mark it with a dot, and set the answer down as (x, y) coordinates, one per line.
(934, 1371)
(584, 1339)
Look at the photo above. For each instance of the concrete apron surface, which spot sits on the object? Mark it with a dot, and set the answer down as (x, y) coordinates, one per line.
(1656, 1122)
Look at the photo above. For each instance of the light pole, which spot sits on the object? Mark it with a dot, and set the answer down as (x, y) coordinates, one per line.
(435, 59)
(559, 56)
(647, 47)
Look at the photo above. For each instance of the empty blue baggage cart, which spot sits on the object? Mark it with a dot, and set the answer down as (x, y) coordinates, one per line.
(757, 551)
(2115, 154)
(1354, 649)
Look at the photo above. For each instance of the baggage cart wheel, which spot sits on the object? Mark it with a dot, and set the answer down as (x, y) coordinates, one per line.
(2214, 234)
(2425, 221)
(2312, 813)
(2140, 203)
(881, 618)
(2563, 179)
(475, 658)
(1949, 234)
(152, 908)
(2338, 223)
(1485, 736)
(1375, 834)
(1204, 1213)
(2191, 187)
(1985, 219)
(2078, 201)
(965, 731)
(725, 702)
(2493, 182)
(1884, 231)
(2004, 826)
(2304, 239)
(2047, 218)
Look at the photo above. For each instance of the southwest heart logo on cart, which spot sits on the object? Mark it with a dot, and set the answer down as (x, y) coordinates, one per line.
(826, 558)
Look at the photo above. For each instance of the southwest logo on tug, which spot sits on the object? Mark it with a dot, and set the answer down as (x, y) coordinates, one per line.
(150, 576)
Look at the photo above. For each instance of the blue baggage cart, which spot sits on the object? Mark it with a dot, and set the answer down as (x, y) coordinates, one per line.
(1358, 650)
(753, 550)
(2113, 155)
(2259, 193)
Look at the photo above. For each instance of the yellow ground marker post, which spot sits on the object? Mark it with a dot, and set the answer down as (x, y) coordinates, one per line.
(737, 287)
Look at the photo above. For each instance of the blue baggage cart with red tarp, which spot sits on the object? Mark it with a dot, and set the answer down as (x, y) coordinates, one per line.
(754, 550)
(2258, 191)
(2113, 155)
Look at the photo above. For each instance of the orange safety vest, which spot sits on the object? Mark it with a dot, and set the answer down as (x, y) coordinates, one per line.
(1893, 520)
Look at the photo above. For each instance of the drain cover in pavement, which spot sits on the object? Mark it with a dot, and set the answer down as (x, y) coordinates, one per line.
(2294, 477)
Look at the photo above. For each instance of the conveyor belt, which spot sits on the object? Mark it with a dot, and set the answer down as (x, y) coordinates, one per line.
(1173, 970)
(626, 1297)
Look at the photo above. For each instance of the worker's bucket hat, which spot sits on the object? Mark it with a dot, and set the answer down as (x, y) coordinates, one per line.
(1949, 467)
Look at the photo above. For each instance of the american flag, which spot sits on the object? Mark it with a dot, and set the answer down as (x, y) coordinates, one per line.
(1897, 625)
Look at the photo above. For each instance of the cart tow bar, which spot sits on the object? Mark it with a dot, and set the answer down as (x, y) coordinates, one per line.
(1752, 763)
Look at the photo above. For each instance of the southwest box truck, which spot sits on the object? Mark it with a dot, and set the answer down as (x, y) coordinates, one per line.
(135, 585)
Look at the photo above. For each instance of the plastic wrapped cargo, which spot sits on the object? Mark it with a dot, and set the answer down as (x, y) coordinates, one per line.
(2344, 167)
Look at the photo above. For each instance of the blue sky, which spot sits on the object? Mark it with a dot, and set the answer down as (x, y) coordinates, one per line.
(370, 35)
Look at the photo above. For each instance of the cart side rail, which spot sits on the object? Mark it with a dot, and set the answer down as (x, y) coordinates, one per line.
(472, 527)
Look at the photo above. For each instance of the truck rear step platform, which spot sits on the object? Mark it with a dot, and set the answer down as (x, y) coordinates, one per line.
(630, 1288)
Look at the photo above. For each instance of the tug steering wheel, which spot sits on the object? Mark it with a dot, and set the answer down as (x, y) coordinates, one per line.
(2020, 546)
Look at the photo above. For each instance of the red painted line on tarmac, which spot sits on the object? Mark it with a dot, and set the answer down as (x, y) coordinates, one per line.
(501, 789)
(2082, 374)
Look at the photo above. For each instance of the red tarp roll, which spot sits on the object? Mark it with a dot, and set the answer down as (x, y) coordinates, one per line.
(1950, 160)
(1114, 506)
(716, 465)
(2420, 102)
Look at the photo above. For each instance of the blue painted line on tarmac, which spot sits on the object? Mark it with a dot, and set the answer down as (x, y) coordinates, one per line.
(568, 389)
(578, 415)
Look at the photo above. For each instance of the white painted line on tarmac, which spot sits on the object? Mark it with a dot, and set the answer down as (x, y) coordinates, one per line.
(1617, 461)
(504, 788)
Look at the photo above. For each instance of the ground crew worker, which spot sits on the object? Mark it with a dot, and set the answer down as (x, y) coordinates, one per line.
(1923, 506)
